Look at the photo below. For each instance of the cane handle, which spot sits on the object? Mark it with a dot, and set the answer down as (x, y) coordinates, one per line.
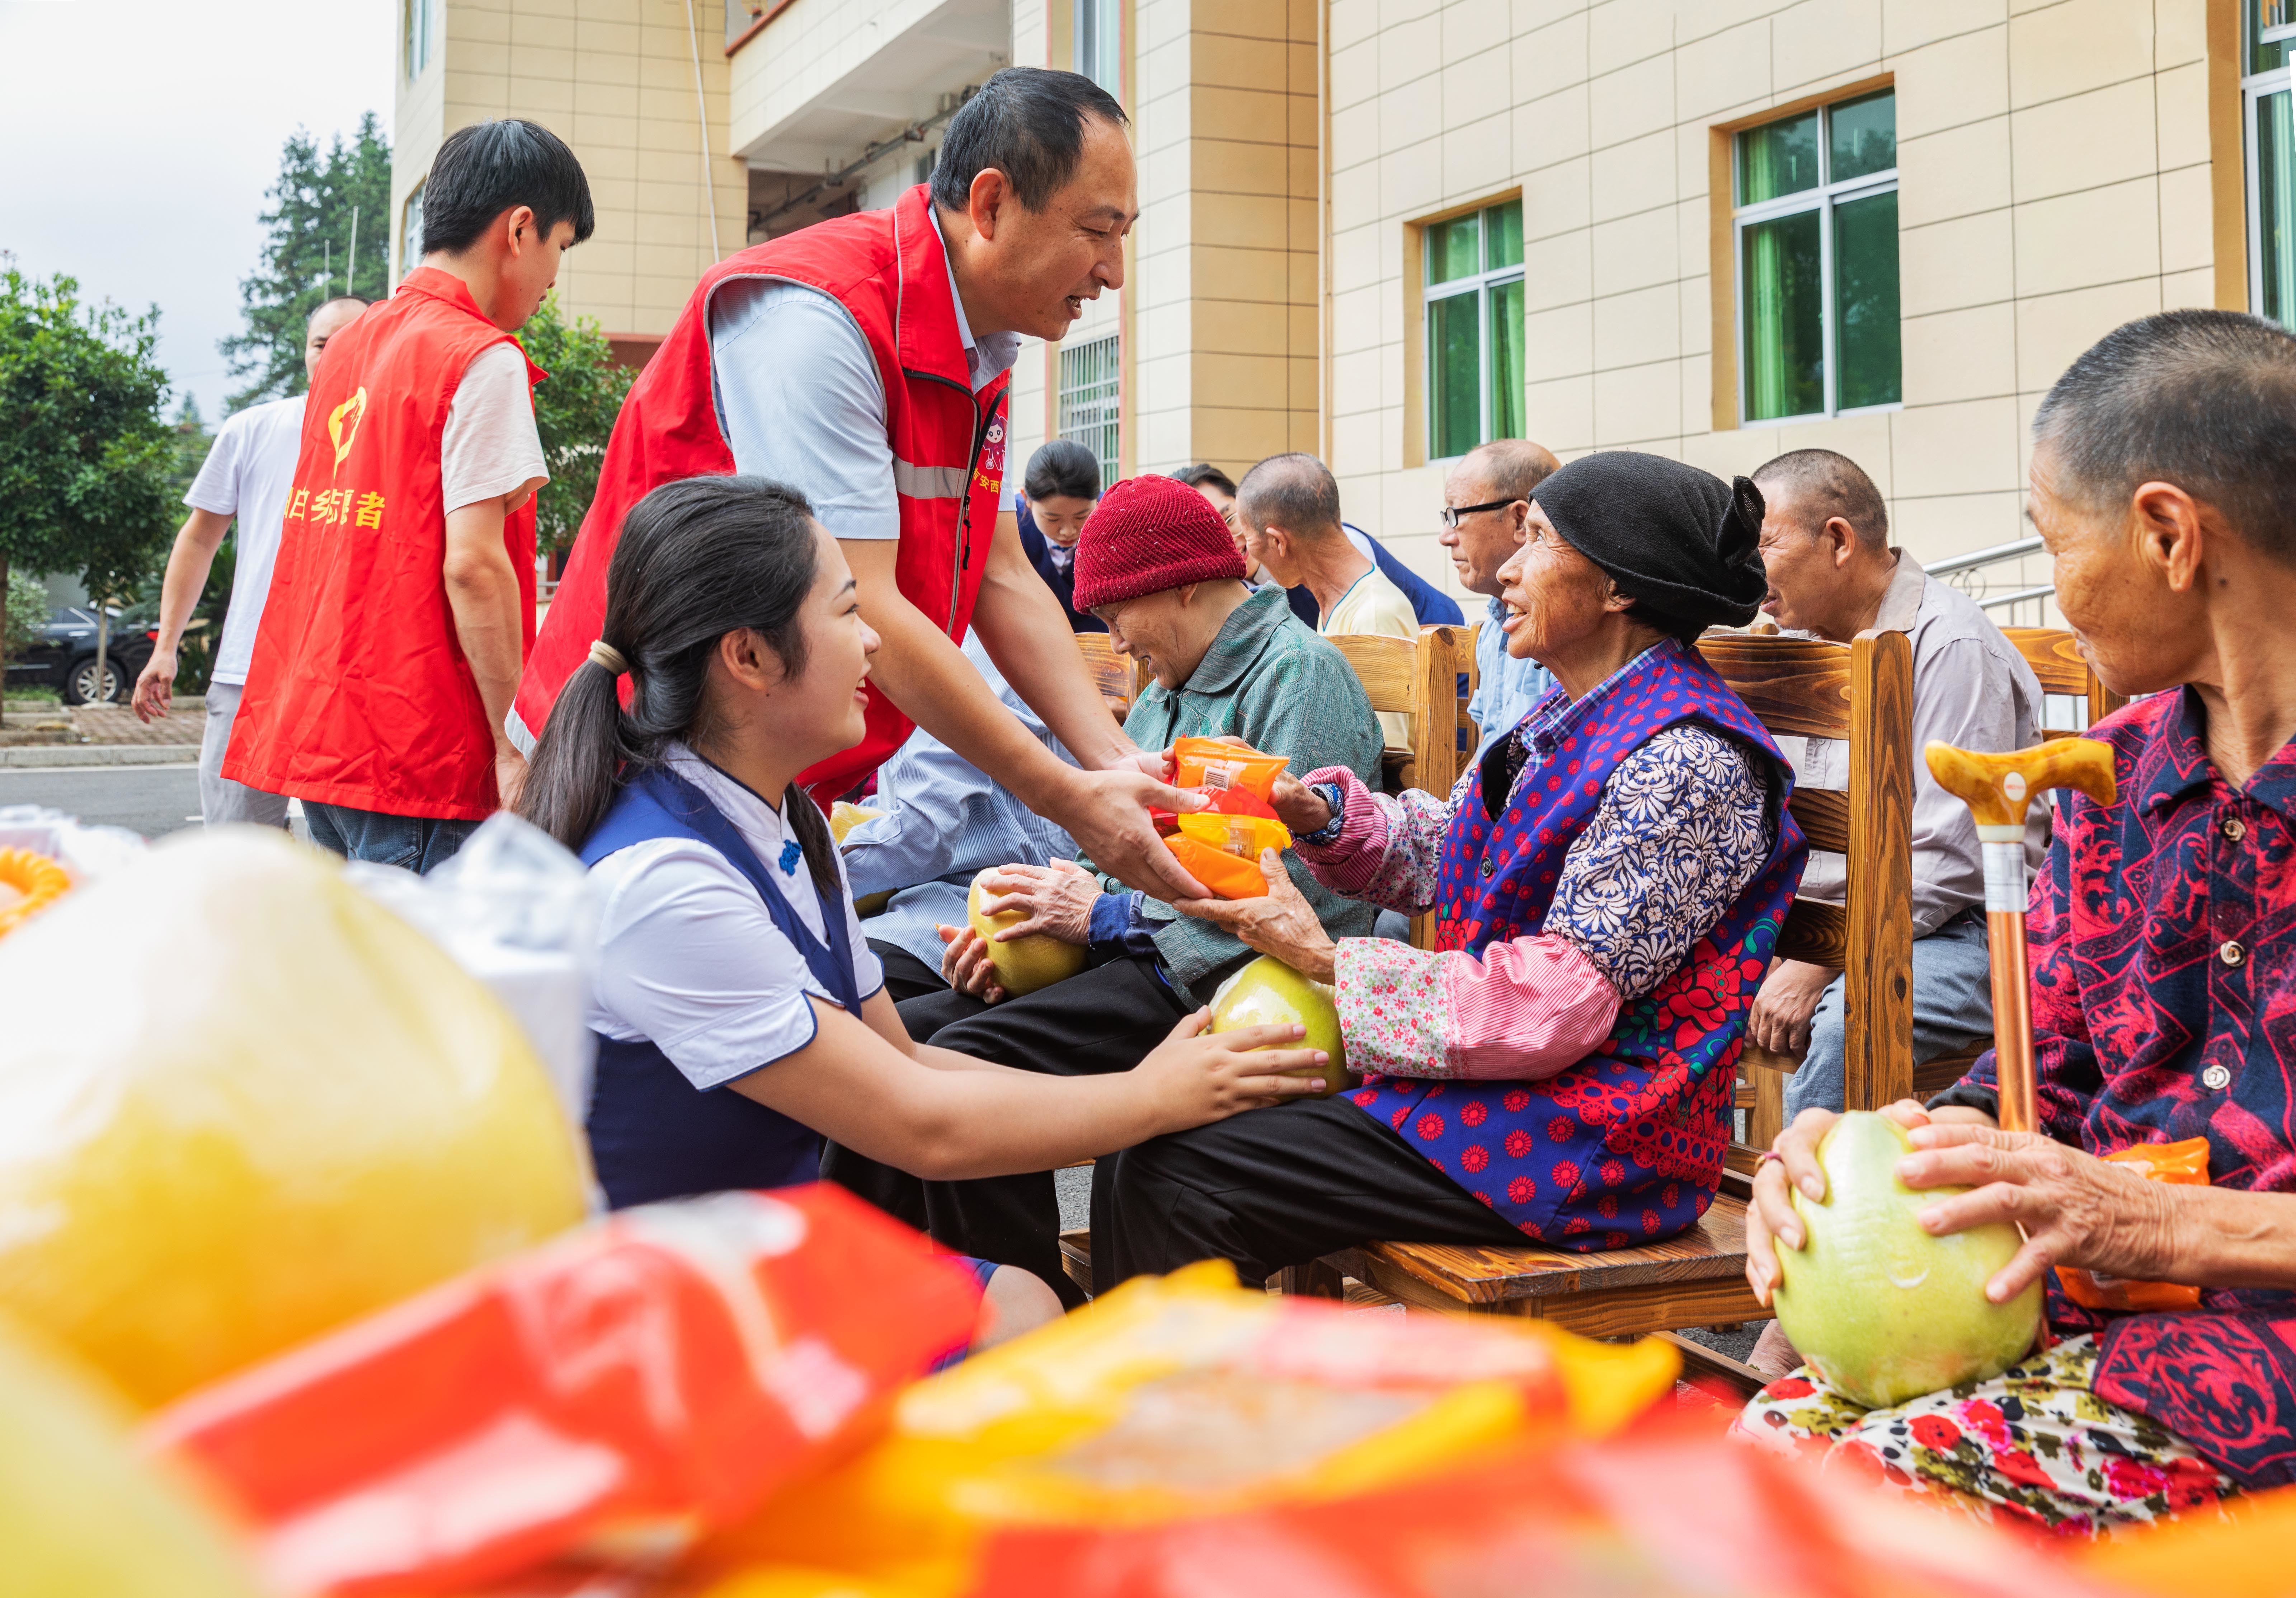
(1998, 788)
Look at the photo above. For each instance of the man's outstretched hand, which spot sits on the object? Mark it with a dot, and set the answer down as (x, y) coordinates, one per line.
(1107, 814)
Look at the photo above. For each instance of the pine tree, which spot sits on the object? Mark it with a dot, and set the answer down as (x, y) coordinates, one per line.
(309, 257)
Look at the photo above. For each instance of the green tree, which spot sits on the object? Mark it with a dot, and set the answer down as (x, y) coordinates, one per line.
(196, 658)
(574, 412)
(83, 455)
(309, 256)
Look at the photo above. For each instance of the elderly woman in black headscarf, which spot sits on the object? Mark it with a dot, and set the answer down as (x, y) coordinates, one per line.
(1608, 885)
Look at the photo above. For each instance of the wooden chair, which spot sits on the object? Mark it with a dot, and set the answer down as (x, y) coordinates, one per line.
(1862, 693)
(1115, 675)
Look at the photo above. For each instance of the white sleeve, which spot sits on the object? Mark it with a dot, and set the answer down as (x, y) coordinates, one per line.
(801, 401)
(491, 448)
(216, 489)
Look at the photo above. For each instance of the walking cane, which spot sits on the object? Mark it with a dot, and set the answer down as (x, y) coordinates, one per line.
(1997, 788)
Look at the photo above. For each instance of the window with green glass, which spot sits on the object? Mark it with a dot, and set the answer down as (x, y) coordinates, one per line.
(1817, 222)
(1474, 330)
(2268, 32)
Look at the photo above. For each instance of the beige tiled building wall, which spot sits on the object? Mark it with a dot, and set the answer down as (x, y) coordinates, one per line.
(2054, 180)
(615, 80)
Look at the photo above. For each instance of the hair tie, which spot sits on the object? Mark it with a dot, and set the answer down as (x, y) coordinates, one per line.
(604, 654)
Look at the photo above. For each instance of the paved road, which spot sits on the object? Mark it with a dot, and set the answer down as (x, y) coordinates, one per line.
(152, 800)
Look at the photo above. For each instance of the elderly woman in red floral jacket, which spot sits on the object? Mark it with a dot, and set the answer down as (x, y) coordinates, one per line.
(2163, 932)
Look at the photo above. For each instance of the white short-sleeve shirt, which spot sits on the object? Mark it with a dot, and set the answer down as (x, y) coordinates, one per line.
(491, 446)
(691, 960)
(246, 474)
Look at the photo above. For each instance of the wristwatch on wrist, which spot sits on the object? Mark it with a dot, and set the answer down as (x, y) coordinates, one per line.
(1335, 797)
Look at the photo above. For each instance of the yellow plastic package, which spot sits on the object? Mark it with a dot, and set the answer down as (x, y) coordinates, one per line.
(1218, 765)
(241, 1103)
(79, 1512)
(1185, 1394)
(1223, 851)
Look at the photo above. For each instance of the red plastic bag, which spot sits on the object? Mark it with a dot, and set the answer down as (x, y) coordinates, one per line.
(1672, 1510)
(615, 1394)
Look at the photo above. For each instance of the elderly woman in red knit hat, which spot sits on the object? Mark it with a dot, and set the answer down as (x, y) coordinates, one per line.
(1157, 564)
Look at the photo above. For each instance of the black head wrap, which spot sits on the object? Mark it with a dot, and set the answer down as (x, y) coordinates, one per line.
(1680, 540)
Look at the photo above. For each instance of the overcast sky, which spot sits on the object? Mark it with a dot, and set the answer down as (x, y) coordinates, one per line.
(137, 141)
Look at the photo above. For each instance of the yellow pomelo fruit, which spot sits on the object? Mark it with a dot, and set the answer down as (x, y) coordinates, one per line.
(1024, 964)
(843, 818)
(241, 1103)
(1268, 992)
(79, 1514)
(1880, 1309)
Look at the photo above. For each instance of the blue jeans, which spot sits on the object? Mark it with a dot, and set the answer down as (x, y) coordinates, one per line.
(1953, 1007)
(419, 844)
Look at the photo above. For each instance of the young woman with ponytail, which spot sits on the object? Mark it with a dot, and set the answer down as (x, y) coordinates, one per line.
(740, 1015)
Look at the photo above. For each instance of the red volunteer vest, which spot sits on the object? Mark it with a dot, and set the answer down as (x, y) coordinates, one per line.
(359, 694)
(889, 270)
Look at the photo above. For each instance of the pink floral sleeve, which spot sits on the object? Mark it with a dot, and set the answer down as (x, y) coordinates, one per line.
(1527, 1010)
(1389, 846)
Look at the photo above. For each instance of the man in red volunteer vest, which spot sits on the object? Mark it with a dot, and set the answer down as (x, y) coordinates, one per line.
(402, 604)
(865, 360)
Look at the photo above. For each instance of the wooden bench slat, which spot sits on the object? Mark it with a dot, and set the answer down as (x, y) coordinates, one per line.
(1799, 686)
(1817, 933)
(1824, 815)
(1713, 1250)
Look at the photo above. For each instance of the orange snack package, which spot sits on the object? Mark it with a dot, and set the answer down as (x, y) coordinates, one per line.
(2183, 1165)
(612, 1396)
(1212, 765)
(1223, 851)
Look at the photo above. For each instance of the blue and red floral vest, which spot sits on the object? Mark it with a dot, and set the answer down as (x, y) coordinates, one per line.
(1625, 1147)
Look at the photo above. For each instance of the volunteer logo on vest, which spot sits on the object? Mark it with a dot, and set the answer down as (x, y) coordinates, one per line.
(342, 425)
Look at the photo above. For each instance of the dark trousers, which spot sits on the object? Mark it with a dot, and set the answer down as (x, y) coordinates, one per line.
(1272, 1188)
(1103, 1019)
(906, 976)
(419, 844)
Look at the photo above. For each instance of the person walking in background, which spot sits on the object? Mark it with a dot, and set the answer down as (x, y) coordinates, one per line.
(1057, 493)
(248, 476)
(1832, 575)
(403, 602)
(1289, 506)
(1485, 507)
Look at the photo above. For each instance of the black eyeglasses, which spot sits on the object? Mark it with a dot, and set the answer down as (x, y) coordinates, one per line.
(1452, 512)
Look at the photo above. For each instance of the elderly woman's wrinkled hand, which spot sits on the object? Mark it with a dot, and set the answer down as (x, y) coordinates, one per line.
(1772, 1215)
(1299, 806)
(2076, 1209)
(1056, 899)
(1281, 923)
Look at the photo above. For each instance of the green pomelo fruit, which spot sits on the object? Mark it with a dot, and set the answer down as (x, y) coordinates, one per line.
(1882, 1310)
(1022, 965)
(1268, 992)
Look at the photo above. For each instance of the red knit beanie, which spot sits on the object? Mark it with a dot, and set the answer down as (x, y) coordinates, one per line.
(1147, 534)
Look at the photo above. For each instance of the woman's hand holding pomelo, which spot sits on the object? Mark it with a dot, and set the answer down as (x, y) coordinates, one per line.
(1771, 1215)
(2075, 1209)
(1056, 901)
(1198, 1077)
(964, 964)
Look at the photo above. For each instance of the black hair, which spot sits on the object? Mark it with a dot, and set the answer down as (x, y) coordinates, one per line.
(696, 560)
(1824, 485)
(1202, 472)
(486, 168)
(2204, 398)
(1295, 491)
(1063, 467)
(361, 301)
(1028, 123)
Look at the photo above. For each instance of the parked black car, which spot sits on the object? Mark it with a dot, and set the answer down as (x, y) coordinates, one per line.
(64, 659)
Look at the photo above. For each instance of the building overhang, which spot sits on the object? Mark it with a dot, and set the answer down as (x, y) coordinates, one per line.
(821, 101)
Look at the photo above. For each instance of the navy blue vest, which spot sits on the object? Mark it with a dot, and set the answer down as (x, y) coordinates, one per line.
(653, 1134)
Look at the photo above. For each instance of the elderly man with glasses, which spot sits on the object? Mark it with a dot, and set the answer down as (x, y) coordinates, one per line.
(1485, 503)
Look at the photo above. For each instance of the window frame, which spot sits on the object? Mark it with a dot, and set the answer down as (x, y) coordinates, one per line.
(1824, 198)
(422, 23)
(1479, 283)
(1086, 23)
(2254, 88)
(1110, 404)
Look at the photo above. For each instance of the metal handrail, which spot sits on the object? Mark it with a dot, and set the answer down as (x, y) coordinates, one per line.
(2017, 597)
(1983, 557)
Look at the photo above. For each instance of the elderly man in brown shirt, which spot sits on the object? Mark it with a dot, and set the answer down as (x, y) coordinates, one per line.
(1833, 575)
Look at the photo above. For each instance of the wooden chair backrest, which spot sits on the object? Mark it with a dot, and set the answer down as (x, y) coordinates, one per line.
(2057, 661)
(1862, 693)
(1419, 678)
(1112, 674)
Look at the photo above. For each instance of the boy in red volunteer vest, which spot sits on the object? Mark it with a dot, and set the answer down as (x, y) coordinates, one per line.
(402, 604)
(865, 361)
